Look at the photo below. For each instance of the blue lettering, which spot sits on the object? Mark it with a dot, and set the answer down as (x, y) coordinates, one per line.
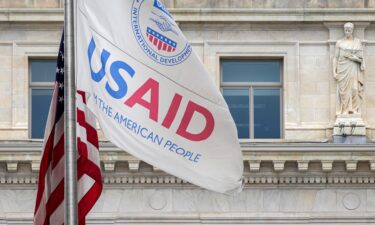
(158, 139)
(180, 151)
(150, 136)
(197, 158)
(121, 83)
(122, 87)
(96, 98)
(173, 147)
(129, 124)
(97, 76)
(167, 144)
(188, 154)
(144, 134)
(120, 119)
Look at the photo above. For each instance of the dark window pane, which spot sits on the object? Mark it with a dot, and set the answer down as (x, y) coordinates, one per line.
(251, 70)
(267, 113)
(43, 70)
(40, 101)
(238, 102)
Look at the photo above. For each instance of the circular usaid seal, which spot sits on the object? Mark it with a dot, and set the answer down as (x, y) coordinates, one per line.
(157, 33)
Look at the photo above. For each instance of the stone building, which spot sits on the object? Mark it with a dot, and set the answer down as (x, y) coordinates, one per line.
(272, 60)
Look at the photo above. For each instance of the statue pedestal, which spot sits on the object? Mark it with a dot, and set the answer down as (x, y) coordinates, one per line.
(349, 129)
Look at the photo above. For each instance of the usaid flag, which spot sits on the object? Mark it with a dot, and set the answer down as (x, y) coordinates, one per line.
(151, 94)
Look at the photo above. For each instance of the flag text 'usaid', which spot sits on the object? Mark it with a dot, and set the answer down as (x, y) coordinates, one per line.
(152, 86)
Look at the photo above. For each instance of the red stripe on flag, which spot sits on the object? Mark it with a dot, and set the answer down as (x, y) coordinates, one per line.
(55, 199)
(82, 149)
(87, 202)
(160, 44)
(92, 135)
(43, 168)
(83, 95)
(156, 41)
(89, 168)
(58, 152)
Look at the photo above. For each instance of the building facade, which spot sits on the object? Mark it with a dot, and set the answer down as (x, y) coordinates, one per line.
(272, 60)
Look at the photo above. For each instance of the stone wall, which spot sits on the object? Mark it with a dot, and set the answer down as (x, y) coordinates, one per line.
(310, 184)
(271, 3)
(306, 47)
(307, 51)
(155, 206)
(19, 44)
(31, 3)
(214, 3)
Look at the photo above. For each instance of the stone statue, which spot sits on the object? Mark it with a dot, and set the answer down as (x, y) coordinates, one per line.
(348, 67)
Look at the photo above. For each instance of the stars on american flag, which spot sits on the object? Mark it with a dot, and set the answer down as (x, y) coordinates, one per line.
(60, 81)
(61, 54)
(59, 71)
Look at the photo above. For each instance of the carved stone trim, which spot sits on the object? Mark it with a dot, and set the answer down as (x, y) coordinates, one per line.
(110, 218)
(327, 165)
(351, 165)
(12, 166)
(278, 165)
(35, 165)
(372, 165)
(133, 165)
(249, 180)
(109, 166)
(213, 15)
(303, 165)
(265, 164)
(254, 165)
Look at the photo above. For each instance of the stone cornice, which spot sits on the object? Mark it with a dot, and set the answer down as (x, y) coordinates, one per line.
(272, 15)
(31, 15)
(266, 164)
(213, 15)
(221, 217)
(159, 179)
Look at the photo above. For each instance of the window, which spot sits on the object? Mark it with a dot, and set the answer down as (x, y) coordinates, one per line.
(253, 92)
(42, 77)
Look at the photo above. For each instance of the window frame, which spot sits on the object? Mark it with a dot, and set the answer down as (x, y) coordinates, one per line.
(36, 85)
(256, 85)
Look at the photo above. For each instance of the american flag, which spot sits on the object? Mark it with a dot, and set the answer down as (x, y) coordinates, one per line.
(161, 41)
(49, 206)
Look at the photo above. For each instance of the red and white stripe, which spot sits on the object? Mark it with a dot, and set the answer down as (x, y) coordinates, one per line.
(88, 164)
(49, 207)
(160, 44)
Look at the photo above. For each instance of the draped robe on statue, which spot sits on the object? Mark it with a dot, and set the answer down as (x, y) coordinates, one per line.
(349, 76)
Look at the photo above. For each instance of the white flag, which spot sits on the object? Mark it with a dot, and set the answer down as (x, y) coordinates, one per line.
(151, 94)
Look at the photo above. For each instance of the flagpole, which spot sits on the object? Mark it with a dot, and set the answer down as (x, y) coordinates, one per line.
(70, 203)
